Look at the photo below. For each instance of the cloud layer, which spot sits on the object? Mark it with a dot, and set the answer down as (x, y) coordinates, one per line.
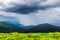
(32, 12)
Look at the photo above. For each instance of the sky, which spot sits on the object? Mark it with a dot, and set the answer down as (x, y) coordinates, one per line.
(30, 12)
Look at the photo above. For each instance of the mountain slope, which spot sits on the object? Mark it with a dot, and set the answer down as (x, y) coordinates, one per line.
(5, 27)
(44, 28)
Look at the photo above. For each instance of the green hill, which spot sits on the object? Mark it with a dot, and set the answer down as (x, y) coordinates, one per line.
(4, 27)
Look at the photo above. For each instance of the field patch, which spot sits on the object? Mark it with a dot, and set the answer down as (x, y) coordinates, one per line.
(30, 36)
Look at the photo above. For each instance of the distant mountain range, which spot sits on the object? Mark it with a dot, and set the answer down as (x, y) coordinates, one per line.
(44, 28)
(15, 27)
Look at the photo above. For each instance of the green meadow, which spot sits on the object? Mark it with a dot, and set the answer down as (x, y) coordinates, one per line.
(30, 36)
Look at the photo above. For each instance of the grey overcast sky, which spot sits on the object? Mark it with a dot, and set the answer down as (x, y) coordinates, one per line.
(31, 12)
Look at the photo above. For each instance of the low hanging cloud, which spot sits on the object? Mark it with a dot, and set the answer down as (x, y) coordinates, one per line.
(32, 12)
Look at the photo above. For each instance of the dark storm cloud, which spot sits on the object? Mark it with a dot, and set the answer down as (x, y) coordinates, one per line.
(25, 9)
(28, 6)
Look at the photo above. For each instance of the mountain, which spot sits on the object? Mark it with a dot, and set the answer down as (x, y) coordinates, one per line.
(7, 27)
(44, 28)
(10, 27)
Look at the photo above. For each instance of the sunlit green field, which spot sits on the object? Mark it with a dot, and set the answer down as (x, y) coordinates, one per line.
(30, 36)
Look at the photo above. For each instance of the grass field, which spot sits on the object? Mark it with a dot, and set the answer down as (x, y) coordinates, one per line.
(30, 36)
